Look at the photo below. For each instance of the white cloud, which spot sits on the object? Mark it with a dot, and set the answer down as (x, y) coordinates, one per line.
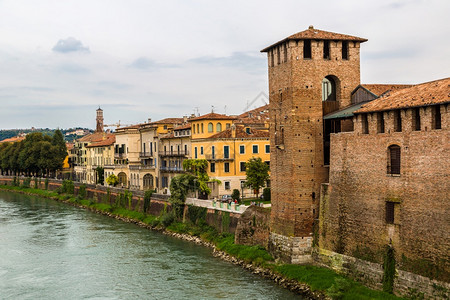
(70, 45)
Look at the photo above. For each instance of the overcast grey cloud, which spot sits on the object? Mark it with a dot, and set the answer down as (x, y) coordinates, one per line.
(70, 45)
(145, 59)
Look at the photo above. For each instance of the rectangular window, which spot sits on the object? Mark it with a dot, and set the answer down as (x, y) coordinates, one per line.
(436, 117)
(390, 212)
(267, 148)
(326, 49)
(307, 49)
(227, 185)
(365, 124)
(345, 50)
(195, 152)
(394, 160)
(397, 121)
(285, 52)
(212, 167)
(278, 55)
(226, 167)
(213, 152)
(380, 122)
(255, 149)
(201, 150)
(226, 151)
(241, 149)
(242, 166)
(416, 119)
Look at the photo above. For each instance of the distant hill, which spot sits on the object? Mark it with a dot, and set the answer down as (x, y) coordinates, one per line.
(69, 134)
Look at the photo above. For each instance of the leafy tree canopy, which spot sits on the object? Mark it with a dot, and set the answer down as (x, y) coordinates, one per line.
(257, 173)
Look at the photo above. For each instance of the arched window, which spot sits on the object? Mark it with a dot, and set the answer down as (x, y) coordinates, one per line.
(210, 127)
(394, 160)
(198, 130)
(219, 127)
(202, 127)
(329, 89)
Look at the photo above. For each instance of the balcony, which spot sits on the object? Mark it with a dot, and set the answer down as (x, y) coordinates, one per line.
(141, 167)
(171, 169)
(217, 157)
(120, 155)
(173, 153)
(145, 154)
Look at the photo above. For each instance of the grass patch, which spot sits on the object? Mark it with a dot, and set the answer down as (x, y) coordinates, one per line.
(335, 285)
(256, 200)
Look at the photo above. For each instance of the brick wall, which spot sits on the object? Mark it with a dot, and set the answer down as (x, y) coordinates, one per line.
(353, 214)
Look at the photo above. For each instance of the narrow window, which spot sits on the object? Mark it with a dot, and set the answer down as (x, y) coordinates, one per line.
(213, 152)
(394, 160)
(212, 167)
(198, 128)
(365, 124)
(397, 121)
(271, 58)
(227, 185)
(241, 149)
(185, 150)
(345, 50)
(227, 126)
(436, 117)
(307, 49)
(226, 167)
(226, 151)
(219, 127)
(242, 166)
(201, 150)
(278, 55)
(210, 127)
(285, 52)
(416, 119)
(255, 149)
(380, 122)
(202, 127)
(267, 148)
(326, 49)
(195, 152)
(390, 209)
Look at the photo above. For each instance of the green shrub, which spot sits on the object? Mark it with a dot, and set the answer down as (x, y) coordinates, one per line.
(36, 183)
(196, 213)
(167, 219)
(82, 191)
(68, 187)
(339, 288)
(46, 183)
(26, 182)
(147, 199)
(235, 195)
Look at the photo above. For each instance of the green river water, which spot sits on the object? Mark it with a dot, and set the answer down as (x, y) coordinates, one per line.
(49, 250)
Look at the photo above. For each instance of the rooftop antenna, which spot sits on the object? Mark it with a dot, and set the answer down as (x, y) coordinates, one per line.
(225, 108)
(212, 108)
(196, 111)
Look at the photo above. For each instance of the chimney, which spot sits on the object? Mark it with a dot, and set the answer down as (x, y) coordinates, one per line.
(149, 120)
(185, 119)
(233, 131)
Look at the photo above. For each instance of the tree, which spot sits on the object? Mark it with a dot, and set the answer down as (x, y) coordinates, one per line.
(235, 194)
(198, 168)
(257, 173)
(100, 175)
(112, 180)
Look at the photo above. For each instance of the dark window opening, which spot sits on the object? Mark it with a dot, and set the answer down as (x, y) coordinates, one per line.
(278, 55)
(326, 49)
(212, 167)
(365, 124)
(271, 58)
(242, 166)
(397, 121)
(394, 160)
(329, 89)
(344, 50)
(390, 212)
(436, 117)
(226, 167)
(416, 119)
(380, 122)
(307, 49)
(285, 52)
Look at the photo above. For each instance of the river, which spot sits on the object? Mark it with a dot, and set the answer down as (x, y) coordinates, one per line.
(50, 250)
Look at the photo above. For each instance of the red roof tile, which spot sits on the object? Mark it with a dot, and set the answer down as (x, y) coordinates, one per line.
(315, 34)
(380, 89)
(212, 116)
(108, 140)
(240, 133)
(429, 93)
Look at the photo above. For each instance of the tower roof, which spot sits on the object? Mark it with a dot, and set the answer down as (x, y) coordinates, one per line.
(315, 34)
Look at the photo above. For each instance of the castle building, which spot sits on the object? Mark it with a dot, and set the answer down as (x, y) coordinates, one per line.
(311, 73)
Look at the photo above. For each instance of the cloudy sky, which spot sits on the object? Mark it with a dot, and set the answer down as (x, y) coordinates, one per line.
(140, 59)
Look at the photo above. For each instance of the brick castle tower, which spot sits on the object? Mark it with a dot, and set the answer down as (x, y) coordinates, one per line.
(99, 127)
(311, 73)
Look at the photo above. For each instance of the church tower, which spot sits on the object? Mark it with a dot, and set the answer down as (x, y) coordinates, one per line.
(311, 73)
(99, 127)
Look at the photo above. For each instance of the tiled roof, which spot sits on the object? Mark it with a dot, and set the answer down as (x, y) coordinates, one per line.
(169, 121)
(240, 133)
(69, 146)
(315, 34)
(96, 136)
(212, 116)
(380, 89)
(429, 93)
(13, 139)
(257, 115)
(108, 140)
(184, 126)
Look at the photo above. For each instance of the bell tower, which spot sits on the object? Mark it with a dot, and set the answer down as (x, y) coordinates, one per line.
(99, 127)
(311, 73)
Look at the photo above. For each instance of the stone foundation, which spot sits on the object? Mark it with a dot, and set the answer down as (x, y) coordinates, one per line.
(293, 250)
(371, 274)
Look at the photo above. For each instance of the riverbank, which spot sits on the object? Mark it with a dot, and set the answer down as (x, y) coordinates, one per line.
(310, 281)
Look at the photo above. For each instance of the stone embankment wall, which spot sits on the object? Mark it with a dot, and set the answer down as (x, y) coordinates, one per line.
(253, 227)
